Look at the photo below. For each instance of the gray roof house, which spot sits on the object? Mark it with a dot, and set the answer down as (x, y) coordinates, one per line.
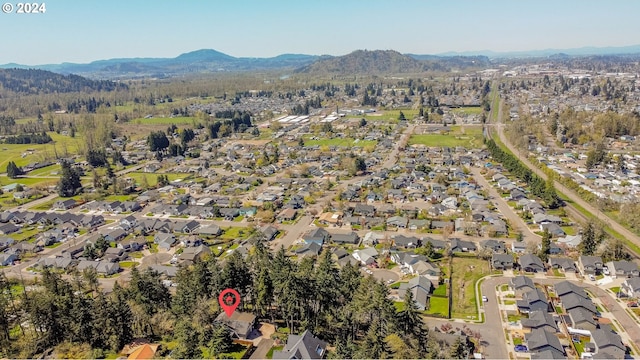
(303, 346)
(575, 301)
(494, 245)
(623, 269)
(566, 264)
(533, 300)
(540, 320)
(522, 284)
(502, 261)
(582, 319)
(590, 264)
(608, 342)
(421, 287)
(540, 340)
(348, 238)
(531, 263)
(631, 287)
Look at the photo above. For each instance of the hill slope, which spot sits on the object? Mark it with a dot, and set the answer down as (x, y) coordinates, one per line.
(32, 81)
(366, 62)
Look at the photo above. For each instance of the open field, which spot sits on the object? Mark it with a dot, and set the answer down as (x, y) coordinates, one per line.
(23, 154)
(466, 272)
(342, 142)
(472, 110)
(466, 136)
(28, 181)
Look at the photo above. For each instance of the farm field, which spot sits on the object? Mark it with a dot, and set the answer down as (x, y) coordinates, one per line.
(472, 110)
(467, 136)
(23, 154)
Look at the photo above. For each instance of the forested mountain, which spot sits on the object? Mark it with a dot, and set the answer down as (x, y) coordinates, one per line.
(32, 81)
(366, 62)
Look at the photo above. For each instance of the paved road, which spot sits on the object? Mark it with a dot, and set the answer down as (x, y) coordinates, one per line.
(504, 208)
(262, 349)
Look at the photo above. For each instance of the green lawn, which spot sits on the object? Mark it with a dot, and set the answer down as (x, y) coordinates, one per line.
(466, 272)
(472, 110)
(438, 305)
(440, 290)
(127, 264)
(466, 136)
(233, 233)
(340, 142)
(237, 352)
(399, 305)
(569, 230)
(28, 181)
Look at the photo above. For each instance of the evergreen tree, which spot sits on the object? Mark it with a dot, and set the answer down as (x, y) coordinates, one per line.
(588, 244)
(410, 319)
(543, 254)
(69, 182)
(13, 171)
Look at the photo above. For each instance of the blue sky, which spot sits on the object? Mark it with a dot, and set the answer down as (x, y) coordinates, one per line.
(87, 30)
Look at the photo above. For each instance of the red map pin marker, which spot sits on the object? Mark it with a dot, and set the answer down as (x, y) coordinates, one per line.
(229, 300)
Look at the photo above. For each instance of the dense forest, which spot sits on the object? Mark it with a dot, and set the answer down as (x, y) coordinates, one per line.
(341, 306)
(33, 81)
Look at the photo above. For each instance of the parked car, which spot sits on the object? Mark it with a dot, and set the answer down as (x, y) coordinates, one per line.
(591, 277)
(632, 304)
(521, 348)
(605, 270)
(484, 298)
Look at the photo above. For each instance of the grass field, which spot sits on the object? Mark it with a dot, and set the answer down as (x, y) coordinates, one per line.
(466, 272)
(470, 137)
(341, 142)
(28, 181)
(473, 110)
(23, 154)
(438, 305)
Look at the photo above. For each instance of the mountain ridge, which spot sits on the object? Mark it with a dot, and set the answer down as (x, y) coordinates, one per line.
(211, 61)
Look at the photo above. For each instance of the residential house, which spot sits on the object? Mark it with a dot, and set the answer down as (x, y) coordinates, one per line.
(533, 300)
(366, 256)
(8, 228)
(565, 287)
(114, 235)
(582, 319)
(458, 245)
(502, 261)
(288, 214)
(421, 287)
(531, 263)
(62, 263)
(192, 254)
(101, 267)
(418, 224)
(114, 254)
(331, 218)
(317, 235)
(522, 284)
(64, 204)
(566, 264)
(309, 249)
(303, 346)
(345, 238)
(518, 247)
(631, 287)
(574, 301)
(494, 245)
(540, 320)
(623, 269)
(164, 240)
(168, 271)
(397, 222)
(571, 241)
(188, 228)
(128, 222)
(7, 259)
(131, 244)
(590, 264)
(241, 324)
(540, 340)
(269, 232)
(554, 229)
(406, 241)
(607, 343)
(209, 230)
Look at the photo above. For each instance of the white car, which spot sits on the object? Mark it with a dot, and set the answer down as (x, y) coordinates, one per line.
(484, 298)
(591, 277)
(605, 270)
